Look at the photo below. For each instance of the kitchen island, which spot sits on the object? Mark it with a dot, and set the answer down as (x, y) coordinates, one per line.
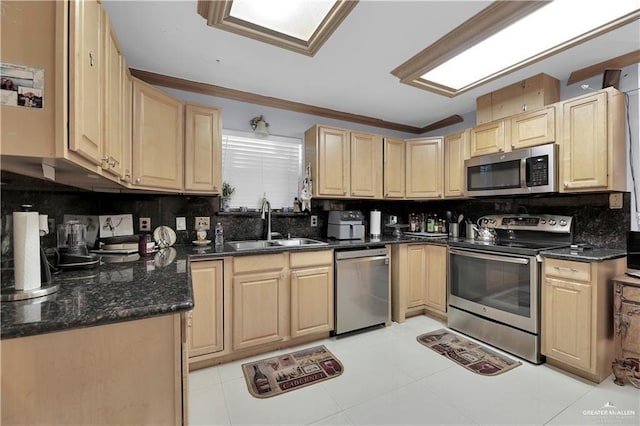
(107, 348)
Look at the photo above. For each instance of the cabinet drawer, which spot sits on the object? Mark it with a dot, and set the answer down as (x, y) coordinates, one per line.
(259, 263)
(310, 258)
(580, 271)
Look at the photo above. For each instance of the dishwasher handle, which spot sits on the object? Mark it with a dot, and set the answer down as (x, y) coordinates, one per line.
(354, 254)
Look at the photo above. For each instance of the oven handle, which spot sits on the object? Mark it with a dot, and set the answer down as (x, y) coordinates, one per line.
(506, 259)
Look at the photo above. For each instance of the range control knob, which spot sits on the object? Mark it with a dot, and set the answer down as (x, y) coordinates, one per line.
(543, 221)
(563, 222)
(552, 222)
(492, 221)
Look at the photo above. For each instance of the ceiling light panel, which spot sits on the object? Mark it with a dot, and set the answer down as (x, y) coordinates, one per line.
(564, 19)
(295, 18)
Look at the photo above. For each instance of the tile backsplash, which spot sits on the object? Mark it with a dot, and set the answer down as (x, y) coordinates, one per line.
(595, 222)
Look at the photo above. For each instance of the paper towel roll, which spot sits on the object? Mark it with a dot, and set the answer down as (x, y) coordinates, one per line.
(26, 250)
(374, 223)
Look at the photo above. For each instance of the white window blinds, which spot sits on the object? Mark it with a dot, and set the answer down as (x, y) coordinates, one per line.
(257, 167)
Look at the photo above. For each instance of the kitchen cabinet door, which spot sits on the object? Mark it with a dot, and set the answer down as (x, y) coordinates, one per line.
(423, 168)
(86, 97)
(593, 143)
(394, 169)
(584, 143)
(311, 300)
(206, 327)
(533, 128)
(436, 277)
(157, 154)
(327, 149)
(567, 322)
(203, 155)
(115, 144)
(456, 150)
(366, 165)
(417, 268)
(260, 300)
(489, 138)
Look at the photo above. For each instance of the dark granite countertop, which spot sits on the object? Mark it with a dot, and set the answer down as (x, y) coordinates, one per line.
(588, 255)
(108, 293)
(114, 292)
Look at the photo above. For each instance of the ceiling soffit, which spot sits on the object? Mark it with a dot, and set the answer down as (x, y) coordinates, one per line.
(218, 15)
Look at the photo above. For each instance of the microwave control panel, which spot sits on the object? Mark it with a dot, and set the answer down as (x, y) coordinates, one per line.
(538, 170)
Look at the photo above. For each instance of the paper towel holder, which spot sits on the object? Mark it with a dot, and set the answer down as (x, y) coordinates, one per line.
(9, 294)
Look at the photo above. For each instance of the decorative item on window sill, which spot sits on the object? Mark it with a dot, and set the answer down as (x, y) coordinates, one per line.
(227, 191)
(259, 126)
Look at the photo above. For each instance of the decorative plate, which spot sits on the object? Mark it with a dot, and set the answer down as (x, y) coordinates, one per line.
(164, 236)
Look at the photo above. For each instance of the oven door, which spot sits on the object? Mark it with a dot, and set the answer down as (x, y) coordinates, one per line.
(498, 286)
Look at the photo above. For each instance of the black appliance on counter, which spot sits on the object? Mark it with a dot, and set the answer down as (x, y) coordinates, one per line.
(495, 286)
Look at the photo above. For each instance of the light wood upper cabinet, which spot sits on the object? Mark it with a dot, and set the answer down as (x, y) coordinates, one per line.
(366, 165)
(328, 151)
(577, 315)
(203, 156)
(456, 150)
(205, 334)
(423, 168)
(115, 144)
(533, 128)
(593, 148)
(86, 101)
(157, 154)
(127, 110)
(311, 292)
(527, 95)
(489, 138)
(394, 168)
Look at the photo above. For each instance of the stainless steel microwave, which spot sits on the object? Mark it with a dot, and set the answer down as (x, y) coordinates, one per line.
(524, 171)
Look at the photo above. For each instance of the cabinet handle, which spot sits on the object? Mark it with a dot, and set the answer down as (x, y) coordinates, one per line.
(564, 268)
(113, 162)
(513, 146)
(91, 58)
(500, 149)
(215, 187)
(138, 180)
(566, 185)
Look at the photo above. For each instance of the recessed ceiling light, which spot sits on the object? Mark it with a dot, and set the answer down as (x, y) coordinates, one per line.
(301, 26)
(552, 27)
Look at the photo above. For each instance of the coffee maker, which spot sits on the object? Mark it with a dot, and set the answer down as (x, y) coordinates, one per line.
(72, 247)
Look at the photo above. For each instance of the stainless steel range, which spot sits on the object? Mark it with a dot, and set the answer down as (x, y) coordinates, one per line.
(494, 284)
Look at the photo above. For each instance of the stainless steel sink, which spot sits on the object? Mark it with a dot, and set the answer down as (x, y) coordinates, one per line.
(264, 244)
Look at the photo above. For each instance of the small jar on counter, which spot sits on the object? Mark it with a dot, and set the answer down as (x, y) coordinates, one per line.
(146, 245)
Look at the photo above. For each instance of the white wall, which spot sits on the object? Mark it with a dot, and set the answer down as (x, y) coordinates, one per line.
(236, 116)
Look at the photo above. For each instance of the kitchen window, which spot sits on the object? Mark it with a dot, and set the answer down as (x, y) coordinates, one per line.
(268, 166)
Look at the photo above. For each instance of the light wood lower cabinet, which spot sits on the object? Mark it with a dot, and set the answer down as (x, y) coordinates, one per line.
(246, 305)
(577, 315)
(311, 292)
(418, 280)
(125, 373)
(206, 319)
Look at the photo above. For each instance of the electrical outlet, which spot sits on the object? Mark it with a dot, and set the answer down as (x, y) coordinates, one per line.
(181, 223)
(314, 220)
(145, 224)
(615, 200)
(203, 223)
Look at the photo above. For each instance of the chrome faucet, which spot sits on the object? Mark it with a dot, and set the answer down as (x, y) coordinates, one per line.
(266, 208)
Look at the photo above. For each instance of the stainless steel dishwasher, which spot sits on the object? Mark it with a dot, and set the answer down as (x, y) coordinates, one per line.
(361, 288)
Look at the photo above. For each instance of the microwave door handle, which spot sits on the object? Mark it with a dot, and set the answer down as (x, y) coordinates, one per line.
(523, 172)
(505, 259)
